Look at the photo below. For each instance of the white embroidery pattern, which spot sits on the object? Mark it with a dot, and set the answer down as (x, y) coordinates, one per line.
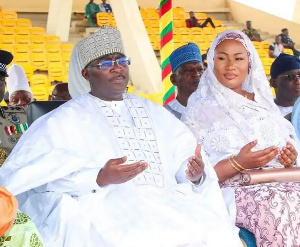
(137, 142)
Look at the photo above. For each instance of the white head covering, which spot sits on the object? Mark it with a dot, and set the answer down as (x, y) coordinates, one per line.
(104, 41)
(224, 121)
(17, 80)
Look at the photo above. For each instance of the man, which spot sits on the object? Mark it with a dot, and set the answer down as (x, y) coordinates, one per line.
(18, 87)
(187, 68)
(105, 7)
(288, 42)
(106, 169)
(13, 120)
(276, 48)
(91, 9)
(285, 78)
(194, 22)
(252, 33)
(60, 92)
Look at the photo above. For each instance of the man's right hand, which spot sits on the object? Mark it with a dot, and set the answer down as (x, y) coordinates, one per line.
(116, 172)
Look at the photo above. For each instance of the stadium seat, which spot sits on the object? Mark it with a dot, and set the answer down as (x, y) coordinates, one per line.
(39, 80)
(53, 39)
(8, 31)
(103, 19)
(23, 39)
(23, 23)
(7, 14)
(39, 61)
(38, 31)
(23, 31)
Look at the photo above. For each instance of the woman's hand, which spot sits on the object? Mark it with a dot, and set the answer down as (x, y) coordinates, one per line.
(249, 159)
(288, 155)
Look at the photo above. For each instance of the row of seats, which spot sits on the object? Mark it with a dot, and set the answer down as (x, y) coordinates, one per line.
(107, 19)
(8, 14)
(15, 23)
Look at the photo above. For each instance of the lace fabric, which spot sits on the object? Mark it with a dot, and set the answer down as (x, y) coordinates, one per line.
(224, 121)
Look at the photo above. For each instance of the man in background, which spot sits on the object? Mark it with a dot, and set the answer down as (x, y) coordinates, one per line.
(285, 78)
(194, 22)
(252, 33)
(288, 42)
(91, 9)
(105, 7)
(276, 48)
(187, 68)
(60, 92)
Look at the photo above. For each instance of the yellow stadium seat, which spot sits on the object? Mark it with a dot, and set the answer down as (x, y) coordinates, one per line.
(265, 44)
(54, 60)
(56, 73)
(153, 15)
(7, 47)
(28, 71)
(38, 40)
(38, 49)
(7, 14)
(22, 49)
(53, 49)
(8, 39)
(201, 16)
(154, 23)
(8, 23)
(39, 61)
(66, 58)
(39, 80)
(23, 23)
(262, 53)
(67, 48)
(23, 39)
(112, 21)
(220, 29)
(22, 59)
(209, 31)
(53, 39)
(40, 93)
(23, 31)
(102, 18)
(288, 51)
(38, 31)
(8, 31)
(257, 44)
(143, 95)
(179, 23)
(218, 23)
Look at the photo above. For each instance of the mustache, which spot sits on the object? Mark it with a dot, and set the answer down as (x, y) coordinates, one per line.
(117, 76)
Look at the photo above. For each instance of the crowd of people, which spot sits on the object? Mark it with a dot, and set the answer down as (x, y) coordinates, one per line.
(108, 168)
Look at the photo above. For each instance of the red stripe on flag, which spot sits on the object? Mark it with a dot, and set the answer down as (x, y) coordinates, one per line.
(166, 71)
(165, 8)
(166, 38)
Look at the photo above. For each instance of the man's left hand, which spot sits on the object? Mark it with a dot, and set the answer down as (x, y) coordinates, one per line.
(195, 166)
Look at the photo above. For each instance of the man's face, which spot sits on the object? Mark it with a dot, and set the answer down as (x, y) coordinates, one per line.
(285, 33)
(187, 77)
(277, 39)
(20, 98)
(2, 87)
(248, 24)
(287, 85)
(192, 14)
(107, 84)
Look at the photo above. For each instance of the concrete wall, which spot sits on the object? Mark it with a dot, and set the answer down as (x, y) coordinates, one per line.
(263, 21)
(78, 5)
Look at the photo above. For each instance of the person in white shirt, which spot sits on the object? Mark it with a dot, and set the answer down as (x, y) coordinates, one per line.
(276, 48)
(285, 78)
(187, 68)
(110, 169)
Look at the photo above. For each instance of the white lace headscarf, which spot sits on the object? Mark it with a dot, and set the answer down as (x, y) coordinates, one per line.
(224, 121)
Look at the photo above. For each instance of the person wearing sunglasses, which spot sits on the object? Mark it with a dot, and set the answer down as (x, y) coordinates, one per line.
(285, 78)
(108, 168)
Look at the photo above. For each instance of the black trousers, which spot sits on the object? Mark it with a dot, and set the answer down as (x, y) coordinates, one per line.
(208, 20)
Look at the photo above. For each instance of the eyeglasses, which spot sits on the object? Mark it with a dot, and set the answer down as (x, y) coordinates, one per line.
(290, 77)
(108, 64)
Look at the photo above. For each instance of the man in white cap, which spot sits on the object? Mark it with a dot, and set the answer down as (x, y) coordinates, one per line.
(13, 120)
(112, 169)
(18, 87)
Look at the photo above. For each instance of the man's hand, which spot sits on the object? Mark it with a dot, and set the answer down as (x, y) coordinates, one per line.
(195, 166)
(116, 172)
(288, 155)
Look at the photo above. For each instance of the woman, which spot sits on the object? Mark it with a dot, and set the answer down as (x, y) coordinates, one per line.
(16, 229)
(234, 117)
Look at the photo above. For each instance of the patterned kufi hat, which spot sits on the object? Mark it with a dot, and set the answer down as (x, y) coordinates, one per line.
(104, 41)
(5, 59)
(284, 62)
(185, 54)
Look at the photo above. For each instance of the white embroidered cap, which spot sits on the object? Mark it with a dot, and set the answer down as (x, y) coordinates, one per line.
(105, 40)
(17, 80)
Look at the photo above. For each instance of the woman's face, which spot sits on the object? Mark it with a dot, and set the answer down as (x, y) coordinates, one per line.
(231, 64)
